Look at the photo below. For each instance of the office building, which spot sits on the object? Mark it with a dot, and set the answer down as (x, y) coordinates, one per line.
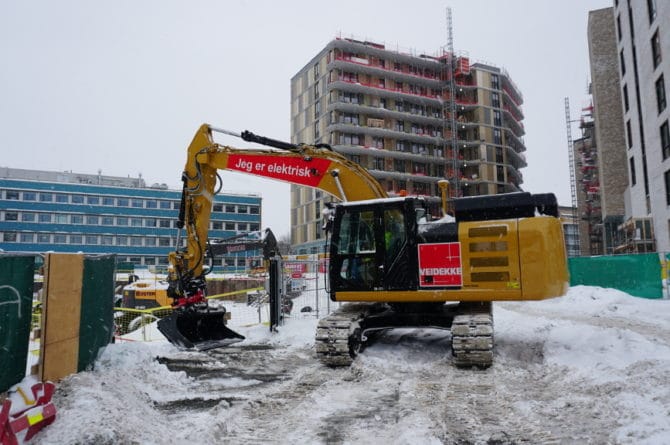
(410, 119)
(44, 211)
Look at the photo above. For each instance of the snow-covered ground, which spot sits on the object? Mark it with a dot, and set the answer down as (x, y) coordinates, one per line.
(590, 367)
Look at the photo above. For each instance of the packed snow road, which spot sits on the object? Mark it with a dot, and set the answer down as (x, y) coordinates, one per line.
(591, 367)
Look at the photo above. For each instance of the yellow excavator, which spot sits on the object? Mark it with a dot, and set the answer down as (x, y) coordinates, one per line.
(398, 261)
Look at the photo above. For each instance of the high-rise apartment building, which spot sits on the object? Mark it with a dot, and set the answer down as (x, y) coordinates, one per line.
(410, 119)
(642, 30)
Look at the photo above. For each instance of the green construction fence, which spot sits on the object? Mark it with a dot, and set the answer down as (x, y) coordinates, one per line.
(638, 275)
(16, 305)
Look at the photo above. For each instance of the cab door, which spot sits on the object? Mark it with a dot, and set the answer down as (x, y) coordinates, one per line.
(355, 253)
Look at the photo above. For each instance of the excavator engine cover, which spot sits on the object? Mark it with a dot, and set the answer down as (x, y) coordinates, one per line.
(202, 329)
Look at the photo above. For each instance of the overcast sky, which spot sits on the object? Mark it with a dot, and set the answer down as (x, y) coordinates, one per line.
(121, 86)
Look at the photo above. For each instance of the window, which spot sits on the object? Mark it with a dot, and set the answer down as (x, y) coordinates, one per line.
(62, 198)
(150, 222)
(656, 49)
(254, 210)
(12, 194)
(497, 118)
(61, 219)
(11, 216)
(75, 239)
(137, 203)
(254, 227)
(107, 201)
(399, 165)
(92, 239)
(665, 140)
(150, 242)
(93, 200)
(123, 202)
(77, 199)
(629, 134)
(666, 176)
(660, 94)
(651, 10)
(27, 238)
(28, 217)
(106, 240)
(135, 241)
(91, 219)
(625, 98)
(230, 226)
(107, 220)
(164, 242)
(46, 197)
(44, 217)
(400, 126)
(632, 171)
(497, 136)
(136, 222)
(217, 208)
(495, 82)
(164, 223)
(76, 219)
(166, 205)
(618, 26)
(349, 139)
(378, 164)
(316, 71)
(230, 209)
(378, 142)
(622, 63)
(121, 221)
(152, 204)
(348, 118)
(29, 196)
(217, 225)
(242, 209)
(60, 238)
(121, 240)
(495, 100)
(9, 237)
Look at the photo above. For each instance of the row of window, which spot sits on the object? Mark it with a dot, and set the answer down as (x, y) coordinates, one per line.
(115, 221)
(138, 203)
(86, 239)
(238, 262)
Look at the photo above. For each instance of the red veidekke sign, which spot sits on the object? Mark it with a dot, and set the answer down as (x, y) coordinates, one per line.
(440, 265)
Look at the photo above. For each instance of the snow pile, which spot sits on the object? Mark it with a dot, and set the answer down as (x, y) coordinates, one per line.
(590, 367)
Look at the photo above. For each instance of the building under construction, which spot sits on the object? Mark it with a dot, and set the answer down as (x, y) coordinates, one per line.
(410, 119)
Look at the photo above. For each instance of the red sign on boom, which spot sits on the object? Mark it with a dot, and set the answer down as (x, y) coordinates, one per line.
(294, 170)
(440, 265)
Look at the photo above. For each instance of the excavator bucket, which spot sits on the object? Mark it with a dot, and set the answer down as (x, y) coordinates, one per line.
(200, 329)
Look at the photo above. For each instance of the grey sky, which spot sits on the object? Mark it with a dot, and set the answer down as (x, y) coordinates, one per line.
(122, 86)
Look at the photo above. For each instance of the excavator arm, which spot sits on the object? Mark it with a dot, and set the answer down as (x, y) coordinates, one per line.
(315, 166)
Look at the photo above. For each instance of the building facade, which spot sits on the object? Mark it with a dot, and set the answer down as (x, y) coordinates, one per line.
(607, 129)
(642, 30)
(44, 211)
(411, 120)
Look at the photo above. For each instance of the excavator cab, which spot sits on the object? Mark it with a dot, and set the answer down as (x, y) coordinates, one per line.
(373, 245)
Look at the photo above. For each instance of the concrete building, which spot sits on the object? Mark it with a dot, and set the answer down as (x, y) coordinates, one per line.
(410, 119)
(643, 50)
(606, 132)
(70, 212)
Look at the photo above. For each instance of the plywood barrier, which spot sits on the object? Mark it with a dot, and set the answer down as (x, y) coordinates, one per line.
(77, 312)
